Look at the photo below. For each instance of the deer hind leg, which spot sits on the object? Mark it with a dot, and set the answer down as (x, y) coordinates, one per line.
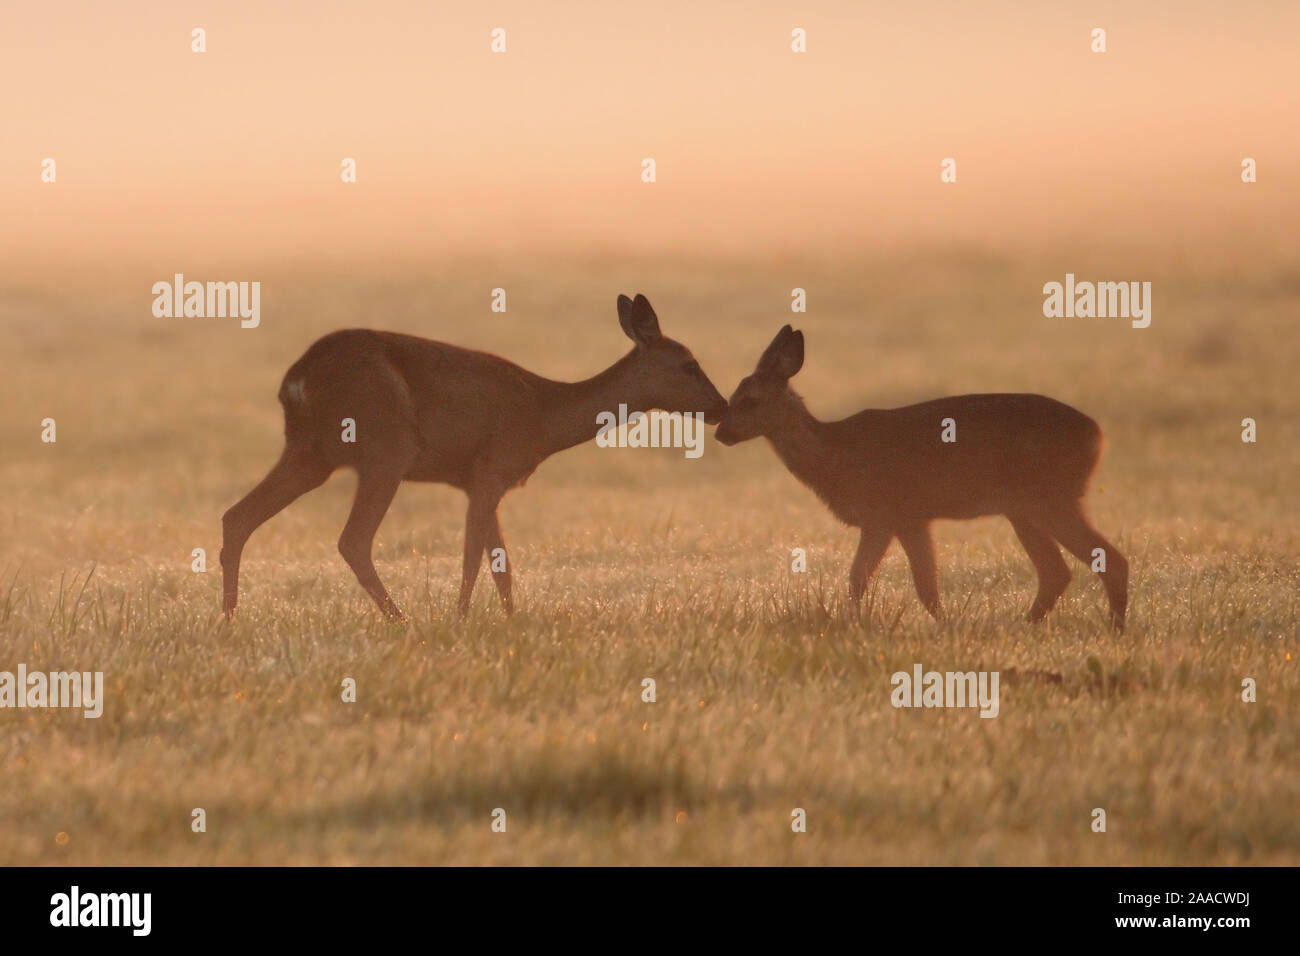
(298, 471)
(377, 484)
(918, 544)
(1069, 526)
(1053, 573)
(872, 546)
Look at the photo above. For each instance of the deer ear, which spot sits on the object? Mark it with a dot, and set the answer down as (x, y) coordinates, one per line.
(784, 357)
(638, 319)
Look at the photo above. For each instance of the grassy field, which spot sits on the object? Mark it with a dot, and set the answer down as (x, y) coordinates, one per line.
(640, 563)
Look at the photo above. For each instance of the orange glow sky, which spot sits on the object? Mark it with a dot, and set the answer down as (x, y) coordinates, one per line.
(165, 156)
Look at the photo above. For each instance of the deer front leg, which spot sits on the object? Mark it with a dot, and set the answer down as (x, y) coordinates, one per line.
(479, 515)
(871, 549)
(499, 561)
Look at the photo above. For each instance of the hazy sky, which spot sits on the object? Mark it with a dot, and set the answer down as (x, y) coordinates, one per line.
(164, 154)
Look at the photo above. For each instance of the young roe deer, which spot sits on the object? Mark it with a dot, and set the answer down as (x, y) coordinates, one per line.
(426, 411)
(889, 473)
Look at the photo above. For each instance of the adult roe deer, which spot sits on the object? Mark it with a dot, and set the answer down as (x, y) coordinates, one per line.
(889, 473)
(426, 411)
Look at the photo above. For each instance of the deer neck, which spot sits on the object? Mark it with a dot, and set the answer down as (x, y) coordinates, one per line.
(802, 443)
(570, 408)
